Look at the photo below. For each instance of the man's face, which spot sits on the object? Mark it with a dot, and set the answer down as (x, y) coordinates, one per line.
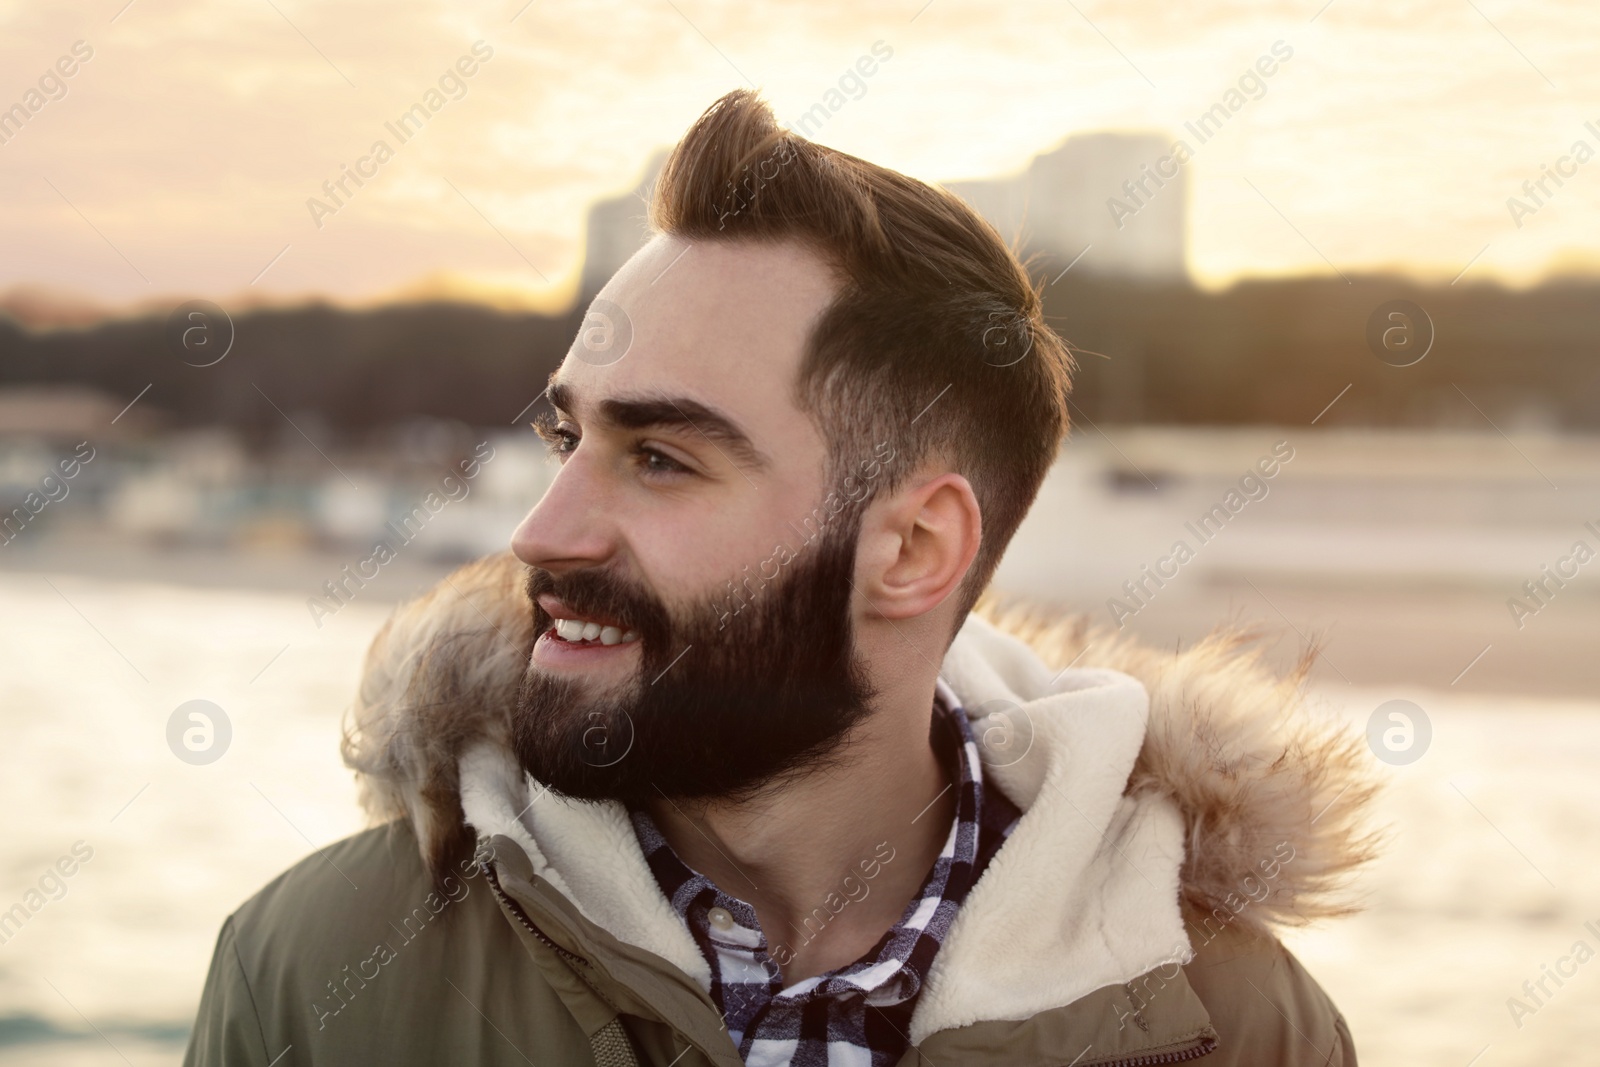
(682, 526)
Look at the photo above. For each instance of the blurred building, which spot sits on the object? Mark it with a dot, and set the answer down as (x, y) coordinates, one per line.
(1097, 192)
(617, 228)
(60, 414)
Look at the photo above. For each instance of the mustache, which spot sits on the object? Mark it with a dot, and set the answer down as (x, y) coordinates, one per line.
(603, 594)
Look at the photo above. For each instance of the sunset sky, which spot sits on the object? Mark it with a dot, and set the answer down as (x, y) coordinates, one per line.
(181, 157)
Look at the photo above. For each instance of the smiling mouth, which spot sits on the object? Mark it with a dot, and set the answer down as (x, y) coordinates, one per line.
(582, 634)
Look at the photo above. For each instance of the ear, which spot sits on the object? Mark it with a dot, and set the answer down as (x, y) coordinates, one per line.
(917, 546)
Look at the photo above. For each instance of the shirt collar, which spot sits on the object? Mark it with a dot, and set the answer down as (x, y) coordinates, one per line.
(893, 970)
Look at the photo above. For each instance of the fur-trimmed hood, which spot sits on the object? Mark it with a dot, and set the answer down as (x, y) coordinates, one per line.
(1227, 800)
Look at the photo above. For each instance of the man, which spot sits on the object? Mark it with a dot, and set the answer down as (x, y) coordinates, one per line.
(721, 767)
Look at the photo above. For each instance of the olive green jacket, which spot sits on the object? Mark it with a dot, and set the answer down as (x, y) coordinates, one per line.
(1175, 808)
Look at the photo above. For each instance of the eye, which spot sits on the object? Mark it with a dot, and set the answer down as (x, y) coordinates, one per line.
(560, 441)
(654, 461)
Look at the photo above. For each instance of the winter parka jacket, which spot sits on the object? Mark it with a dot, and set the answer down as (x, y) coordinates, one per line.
(1176, 807)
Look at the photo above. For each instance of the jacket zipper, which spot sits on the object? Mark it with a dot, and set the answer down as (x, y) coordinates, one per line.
(522, 917)
(1206, 1047)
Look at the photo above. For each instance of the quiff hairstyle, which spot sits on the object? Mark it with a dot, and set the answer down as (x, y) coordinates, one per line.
(936, 341)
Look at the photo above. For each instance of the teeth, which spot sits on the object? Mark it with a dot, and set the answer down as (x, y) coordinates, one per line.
(577, 631)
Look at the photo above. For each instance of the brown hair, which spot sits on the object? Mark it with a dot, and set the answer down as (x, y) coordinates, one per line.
(936, 342)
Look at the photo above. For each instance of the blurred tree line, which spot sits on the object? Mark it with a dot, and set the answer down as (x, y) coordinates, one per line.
(1265, 351)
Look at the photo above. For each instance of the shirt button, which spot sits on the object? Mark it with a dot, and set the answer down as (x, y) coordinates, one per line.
(721, 918)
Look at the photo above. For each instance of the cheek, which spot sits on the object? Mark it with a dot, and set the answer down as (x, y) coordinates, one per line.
(693, 547)
(689, 551)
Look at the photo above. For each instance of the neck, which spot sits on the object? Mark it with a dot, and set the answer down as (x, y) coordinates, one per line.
(829, 860)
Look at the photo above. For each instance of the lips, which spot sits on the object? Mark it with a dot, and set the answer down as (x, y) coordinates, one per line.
(576, 628)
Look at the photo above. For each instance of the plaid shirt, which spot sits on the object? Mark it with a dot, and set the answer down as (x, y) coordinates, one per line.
(859, 1014)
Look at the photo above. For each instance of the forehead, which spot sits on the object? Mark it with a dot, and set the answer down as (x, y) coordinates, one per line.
(722, 322)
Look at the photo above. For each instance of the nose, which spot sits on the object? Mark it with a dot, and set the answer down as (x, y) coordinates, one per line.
(571, 526)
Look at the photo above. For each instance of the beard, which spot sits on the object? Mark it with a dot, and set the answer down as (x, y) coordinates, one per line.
(723, 705)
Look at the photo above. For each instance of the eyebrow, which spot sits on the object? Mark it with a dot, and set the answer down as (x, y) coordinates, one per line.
(656, 411)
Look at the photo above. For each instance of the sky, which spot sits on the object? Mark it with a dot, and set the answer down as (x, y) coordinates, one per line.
(181, 156)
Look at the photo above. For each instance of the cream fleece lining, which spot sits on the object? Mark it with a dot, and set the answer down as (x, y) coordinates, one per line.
(1083, 894)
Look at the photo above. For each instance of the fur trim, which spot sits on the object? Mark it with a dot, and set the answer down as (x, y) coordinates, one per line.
(1254, 775)
(441, 674)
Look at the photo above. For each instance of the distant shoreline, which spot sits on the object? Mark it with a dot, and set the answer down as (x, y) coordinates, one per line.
(297, 571)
